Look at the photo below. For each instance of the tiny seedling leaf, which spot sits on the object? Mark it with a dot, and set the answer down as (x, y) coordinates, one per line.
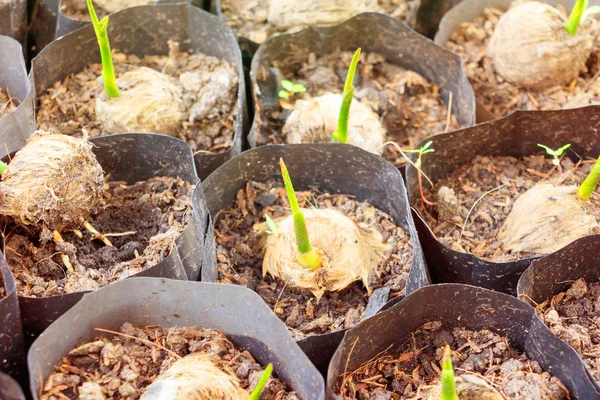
(298, 88)
(426, 146)
(3, 167)
(287, 85)
(428, 151)
(262, 381)
(272, 225)
(283, 94)
(560, 151)
(548, 149)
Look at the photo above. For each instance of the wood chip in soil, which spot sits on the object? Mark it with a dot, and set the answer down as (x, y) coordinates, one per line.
(122, 367)
(8, 103)
(240, 256)
(2, 287)
(77, 9)
(70, 105)
(501, 98)
(573, 316)
(410, 108)
(482, 174)
(415, 362)
(142, 221)
(249, 19)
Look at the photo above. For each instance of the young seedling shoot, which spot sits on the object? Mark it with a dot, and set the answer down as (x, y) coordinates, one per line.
(466, 386)
(425, 149)
(536, 47)
(317, 249)
(547, 217)
(196, 376)
(54, 183)
(556, 154)
(147, 100)
(290, 89)
(327, 118)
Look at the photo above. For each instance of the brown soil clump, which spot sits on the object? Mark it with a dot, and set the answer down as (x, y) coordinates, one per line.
(470, 41)
(407, 370)
(240, 259)
(209, 88)
(505, 178)
(411, 109)
(119, 366)
(141, 220)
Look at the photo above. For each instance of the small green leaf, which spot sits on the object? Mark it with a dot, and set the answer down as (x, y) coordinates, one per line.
(3, 167)
(590, 11)
(426, 146)
(298, 88)
(272, 225)
(412, 151)
(262, 381)
(428, 151)
(560, 151)
(287, 85)
(548, 149)
(283, 94)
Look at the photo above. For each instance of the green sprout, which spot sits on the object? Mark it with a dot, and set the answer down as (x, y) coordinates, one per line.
(3, 167)
(108, 70)
(447, 378)
(306, 255)
(555, 153)
(426, 148)
(341, 134)
(262, 381)
(591, 181)
(272, 226)
(580, 12)
(290, 89)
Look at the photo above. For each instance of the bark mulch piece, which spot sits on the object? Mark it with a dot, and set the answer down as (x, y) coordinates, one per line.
(401, 372)
(573, 316)
(240, 256)
(410, 107)
(8, 103)
(501, 98)
(249, 18)
(2, 289)
(142, 221)
(70, 105)
(508, 177)
(122, 367)
(77, 9)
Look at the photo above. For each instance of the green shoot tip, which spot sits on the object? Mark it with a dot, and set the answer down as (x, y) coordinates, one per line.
(447, 378)
(108, 70)
(262, 381)
(590, 183)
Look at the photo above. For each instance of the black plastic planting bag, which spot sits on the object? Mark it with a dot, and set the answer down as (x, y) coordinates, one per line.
(10, 389)
(553, 274)
(18, 125)
(467, 307)
(373, 33)
(333, 168)
(134, 157)
(429, 15)
(237, 312)
(13, 21)
(12, 341)
(516, 135)
(145, 30)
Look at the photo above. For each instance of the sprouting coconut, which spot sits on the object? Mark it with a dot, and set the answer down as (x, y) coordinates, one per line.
(149, 101)
(338, 252)
(53, 183)
(464, 387)
(548, 217)
(111, 6)
(326, 117)
(293, 13)
(196, 377)
(534, 46)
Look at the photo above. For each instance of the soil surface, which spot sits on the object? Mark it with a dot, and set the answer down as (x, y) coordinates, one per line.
(472, 180)
(400, 372)
(70, 105)
(128, 365)
(240, 257)
(573, 316)
(501, 98)
(8, 103)
(141, 220)
(249, 18)
(410, 108)
(77, 9)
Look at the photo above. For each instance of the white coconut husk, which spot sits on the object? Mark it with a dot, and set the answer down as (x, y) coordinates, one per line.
(349, 252)
(531, 48)
(195, 377)
(316, 119)
(111, 6)
(544, 219)
(54, 181)
(468, 387)
(150, 101)
(294, 13)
